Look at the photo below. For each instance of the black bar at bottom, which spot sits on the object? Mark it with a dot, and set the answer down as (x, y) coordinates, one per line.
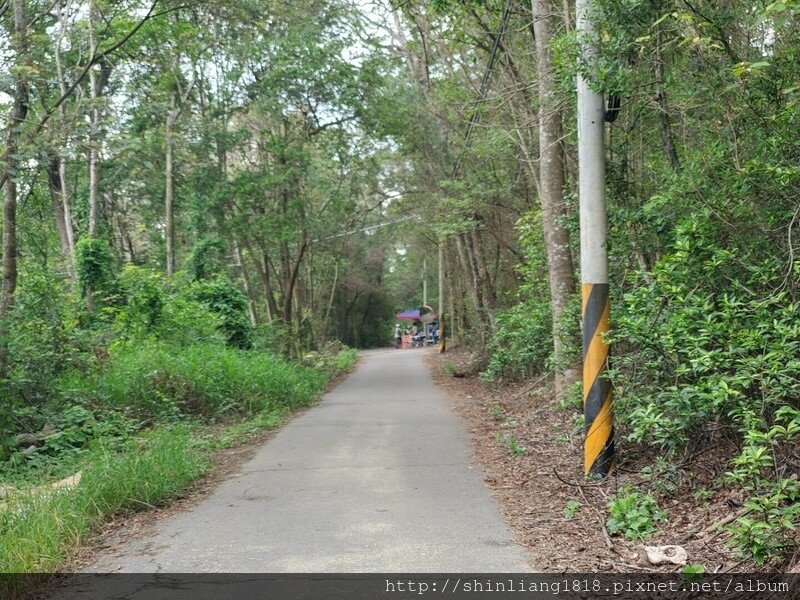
(395, 586)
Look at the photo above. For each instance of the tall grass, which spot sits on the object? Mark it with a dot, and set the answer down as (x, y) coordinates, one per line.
(38, 532)
(345, 359)
(158, 380)
(175, 390)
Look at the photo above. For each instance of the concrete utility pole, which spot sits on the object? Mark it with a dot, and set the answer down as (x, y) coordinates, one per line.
(599, 444)
(424, 282)
(442, 342)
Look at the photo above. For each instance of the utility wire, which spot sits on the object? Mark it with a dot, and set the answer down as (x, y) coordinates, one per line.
(484, 86)
(368, 228)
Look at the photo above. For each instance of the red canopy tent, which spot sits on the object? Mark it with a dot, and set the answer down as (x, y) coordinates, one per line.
(412, 314)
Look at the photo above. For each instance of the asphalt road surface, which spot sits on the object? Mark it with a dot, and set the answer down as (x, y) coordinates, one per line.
(376, 478)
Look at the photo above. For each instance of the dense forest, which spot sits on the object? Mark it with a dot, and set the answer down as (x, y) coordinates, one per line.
(203, 201)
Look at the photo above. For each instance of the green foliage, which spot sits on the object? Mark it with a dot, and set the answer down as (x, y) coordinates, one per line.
(510, 441)
(770, 528)
(163, 381)
(99, 432)
(41, 338)
(702, 241)
(238, 433)
(571, 508)
(523, 342)
(225, 300)
(205, 258)
(74, 431)
(566, 330)
(144, 306)
(94, 265)
(633, 514)
(710, 348)
(345, 360)
(332, 362)
(692, 572)
(274, 336)
(573, 398)
(496, 412)
(154, 308)
(38, 533)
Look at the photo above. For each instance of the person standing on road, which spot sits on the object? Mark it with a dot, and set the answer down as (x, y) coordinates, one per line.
(398, 336)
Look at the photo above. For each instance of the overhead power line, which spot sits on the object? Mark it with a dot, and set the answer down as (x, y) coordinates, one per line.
(368, 228)
(484, 85)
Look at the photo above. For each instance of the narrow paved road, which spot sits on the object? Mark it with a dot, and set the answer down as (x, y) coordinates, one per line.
(377, 478)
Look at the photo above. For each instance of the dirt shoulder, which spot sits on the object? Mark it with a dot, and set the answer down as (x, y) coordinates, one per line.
(531, 452)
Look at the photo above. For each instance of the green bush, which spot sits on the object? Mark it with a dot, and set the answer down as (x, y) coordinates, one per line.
(770, 528)
(159, 380)
(332, 362)
(155, 308)
(225, 300)
(705, 355)
(711, 347)
(94, 265)
(522, 344)
(633, 514)
(143, 290)
(75, 429)
(41, 338)
(274, 336)
(345, 359)
(206, 257)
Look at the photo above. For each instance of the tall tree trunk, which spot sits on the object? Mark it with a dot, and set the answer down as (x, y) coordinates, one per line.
(262, 268)
(68, 236)
(126, 243)
(97, 83)
(177, 100)
(469, 276)
(327, 319)
(441, 299)
(57, 198)
(288, 293)
(663, 110)
(551, 183)
(93, 150)
(248, 288)
(485, 308)
(473, 283)
(16, 117)
(489, 295)
(170, 187)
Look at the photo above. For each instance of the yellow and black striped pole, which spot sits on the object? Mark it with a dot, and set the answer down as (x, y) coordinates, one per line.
(599, 443)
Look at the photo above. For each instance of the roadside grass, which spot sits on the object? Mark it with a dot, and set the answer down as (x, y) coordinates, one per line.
(243, 392)
(236, 434)
(38, 533)
(345, 359)
(160, 381)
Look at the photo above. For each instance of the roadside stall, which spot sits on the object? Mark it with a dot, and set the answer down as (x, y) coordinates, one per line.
(423, 319)
(411, 315)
